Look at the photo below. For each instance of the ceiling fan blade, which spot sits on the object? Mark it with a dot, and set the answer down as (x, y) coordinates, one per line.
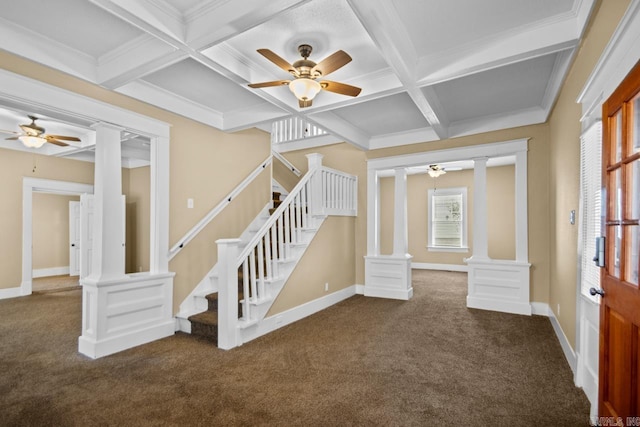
(332, 63)
(280, 62)
(56, 142)
(306, 103)
(9, 131)
(13, 138)
(341, 88)
(269, 84)
(63, 138)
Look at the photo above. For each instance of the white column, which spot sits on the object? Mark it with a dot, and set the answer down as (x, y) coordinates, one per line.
(400, 237)
(373, 213)
(228, 293)
(108, 225)
(522, 240)
(480, 239)
(159, 204)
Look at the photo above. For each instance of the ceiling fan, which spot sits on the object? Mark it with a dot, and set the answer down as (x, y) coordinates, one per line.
(305, 72)
(435, 171)
(33, 136)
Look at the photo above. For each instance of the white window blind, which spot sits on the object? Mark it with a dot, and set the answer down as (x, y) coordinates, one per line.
(590, 186)
(447, 217)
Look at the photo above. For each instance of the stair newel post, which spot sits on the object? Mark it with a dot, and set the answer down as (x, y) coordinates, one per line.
(315, 196)
(228, 252)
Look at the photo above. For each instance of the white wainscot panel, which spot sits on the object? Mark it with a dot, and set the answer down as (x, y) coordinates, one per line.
(499, 286)
(126, 313)
(388, 277)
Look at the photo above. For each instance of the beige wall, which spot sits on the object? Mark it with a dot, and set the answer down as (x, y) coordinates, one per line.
(500, 210)
(14, 165)
(137, 222)
(328, 260)
(50, 230)
(205, 164)
(333, 256)
(564, 159)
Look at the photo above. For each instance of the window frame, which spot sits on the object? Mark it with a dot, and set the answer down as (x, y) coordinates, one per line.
(462, 191)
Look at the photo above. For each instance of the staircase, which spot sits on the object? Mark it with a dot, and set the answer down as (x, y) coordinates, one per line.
(205, 324)
(230, 305)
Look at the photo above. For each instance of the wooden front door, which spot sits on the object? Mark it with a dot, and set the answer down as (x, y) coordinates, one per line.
(619, 382)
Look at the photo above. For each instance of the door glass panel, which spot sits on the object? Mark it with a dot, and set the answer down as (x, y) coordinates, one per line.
(616, 194)
(635, 126)
(633, 190)
(618, 137)
(632, 254)
(614, 268)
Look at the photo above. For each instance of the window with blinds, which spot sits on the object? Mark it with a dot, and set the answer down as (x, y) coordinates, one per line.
(590, 185)
(447, 218)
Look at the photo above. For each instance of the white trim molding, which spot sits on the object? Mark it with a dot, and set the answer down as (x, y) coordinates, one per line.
(52, 271)
(618, 58)
(277, 321)
(39, 185)
(543, 309)
(441, 267)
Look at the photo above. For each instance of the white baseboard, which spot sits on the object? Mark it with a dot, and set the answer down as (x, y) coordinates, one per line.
(540, 309)
(359, 289)
(270, 324)
(543, 309)
(10, 292)
(513, 307)
(111, 345)
(443, 267)
(401, 294)
(53, 271)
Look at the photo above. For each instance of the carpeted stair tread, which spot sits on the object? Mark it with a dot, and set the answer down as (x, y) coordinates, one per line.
(205, 324)
(206, 317)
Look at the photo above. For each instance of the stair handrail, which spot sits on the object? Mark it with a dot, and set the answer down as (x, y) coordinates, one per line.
(286, 162)
(215, 211)
(276, 214)
(317, 194)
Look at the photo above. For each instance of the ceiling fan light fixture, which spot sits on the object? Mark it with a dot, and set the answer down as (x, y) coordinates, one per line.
(32, 141)
(435, 171)
(305, 89)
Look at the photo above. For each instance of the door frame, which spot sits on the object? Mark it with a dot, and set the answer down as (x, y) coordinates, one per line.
(616, 61)
(40, 185)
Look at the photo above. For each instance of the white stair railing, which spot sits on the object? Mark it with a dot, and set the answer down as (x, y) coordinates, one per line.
(184, 240)
(293, 129)
(321, 191)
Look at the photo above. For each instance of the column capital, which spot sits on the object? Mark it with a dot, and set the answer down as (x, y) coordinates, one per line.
(105, 125)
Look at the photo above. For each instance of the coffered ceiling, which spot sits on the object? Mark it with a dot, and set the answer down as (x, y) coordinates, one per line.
(428, 69)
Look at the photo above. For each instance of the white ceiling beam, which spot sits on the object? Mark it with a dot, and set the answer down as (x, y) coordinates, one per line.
(152, 16)
(154, 95)
(29, 44)
(340, 128)
(383, 24)
(165, 24)
(214, 22)
(498, 51)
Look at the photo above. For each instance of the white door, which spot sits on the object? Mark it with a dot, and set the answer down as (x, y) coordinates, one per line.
(74, 238)
(86, 233)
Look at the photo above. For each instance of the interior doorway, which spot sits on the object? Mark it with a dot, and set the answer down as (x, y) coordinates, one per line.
(53, 251)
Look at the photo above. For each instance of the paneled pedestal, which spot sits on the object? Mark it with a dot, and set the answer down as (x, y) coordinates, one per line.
(388, 276)
(124, 313)
(499, 285)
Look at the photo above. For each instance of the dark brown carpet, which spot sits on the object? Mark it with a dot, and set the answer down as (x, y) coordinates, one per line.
(426, 362)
